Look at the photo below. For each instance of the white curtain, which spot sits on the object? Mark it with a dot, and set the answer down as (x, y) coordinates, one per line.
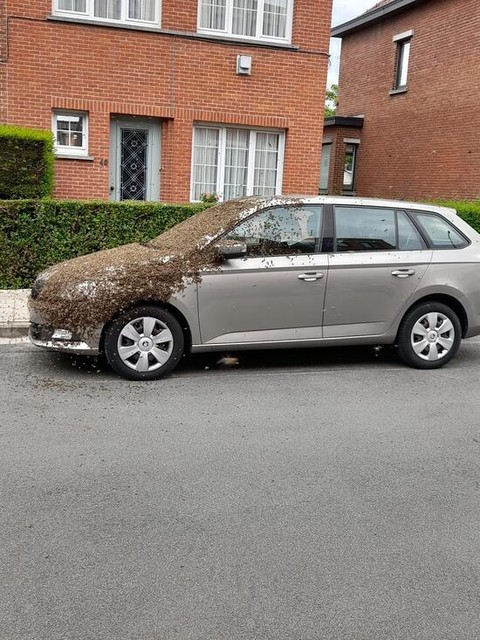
(244, 20)
(236, 163)
(205, 161)
(266, 164)
(111, 9)
(80, 6)
(212, 15)
(142, 10)
(275, 18)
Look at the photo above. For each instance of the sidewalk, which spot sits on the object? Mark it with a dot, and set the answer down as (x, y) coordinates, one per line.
(13, 313)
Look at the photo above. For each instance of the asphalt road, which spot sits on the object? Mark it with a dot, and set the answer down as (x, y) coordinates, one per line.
(322, 495)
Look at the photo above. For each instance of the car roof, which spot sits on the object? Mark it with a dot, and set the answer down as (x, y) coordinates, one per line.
(353, 201)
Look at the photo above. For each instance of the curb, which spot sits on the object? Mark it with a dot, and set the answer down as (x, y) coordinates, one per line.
(14, 316)
(14, 329)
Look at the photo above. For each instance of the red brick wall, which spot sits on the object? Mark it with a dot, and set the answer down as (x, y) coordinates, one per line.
(108, 70)
(426, 142)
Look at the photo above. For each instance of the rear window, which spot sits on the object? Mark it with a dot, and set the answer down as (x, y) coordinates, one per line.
(440, 233)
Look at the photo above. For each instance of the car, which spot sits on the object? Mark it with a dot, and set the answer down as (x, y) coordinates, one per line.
(270, 272)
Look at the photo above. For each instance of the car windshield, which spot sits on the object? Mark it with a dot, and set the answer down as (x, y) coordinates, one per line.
(197, 231)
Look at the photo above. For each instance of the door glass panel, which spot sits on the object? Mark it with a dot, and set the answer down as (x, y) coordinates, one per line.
(441, 233)
(408, 237)
(280, 231)
(364, 229)
(133, 167)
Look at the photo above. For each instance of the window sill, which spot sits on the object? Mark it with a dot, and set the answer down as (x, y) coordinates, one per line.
(223, 39)
(349, 192)
(72, 156)
(396, 92)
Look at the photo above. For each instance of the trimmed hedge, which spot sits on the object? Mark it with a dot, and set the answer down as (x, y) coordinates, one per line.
(26, 163)
(35, 234)
(468, 210)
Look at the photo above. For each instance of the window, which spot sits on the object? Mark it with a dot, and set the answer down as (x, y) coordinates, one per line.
(409, 239)
(325, 167)
(350, 161)
(236, 162)
(403, 41)
(440, 233)
(259, 19)
(70, 130)
(281, 231)
(135, 12)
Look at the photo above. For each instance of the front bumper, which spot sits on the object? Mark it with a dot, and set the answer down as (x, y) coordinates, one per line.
(43, 336)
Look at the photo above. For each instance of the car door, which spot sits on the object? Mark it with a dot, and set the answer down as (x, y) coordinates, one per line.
(378, 262)
(275, 293)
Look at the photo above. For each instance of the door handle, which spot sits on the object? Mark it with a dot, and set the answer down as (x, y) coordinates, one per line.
(311, 276)
(403, 273)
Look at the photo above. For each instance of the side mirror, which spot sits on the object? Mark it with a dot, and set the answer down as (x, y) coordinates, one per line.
(231, 249)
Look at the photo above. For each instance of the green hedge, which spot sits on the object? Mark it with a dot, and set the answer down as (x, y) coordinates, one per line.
(468, 210)
(35, 234)
(26, 163)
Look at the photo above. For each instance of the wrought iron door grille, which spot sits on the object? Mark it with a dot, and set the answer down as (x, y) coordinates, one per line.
(133, 166)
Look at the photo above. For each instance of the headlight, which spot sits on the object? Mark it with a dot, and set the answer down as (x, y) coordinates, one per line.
(38, 285)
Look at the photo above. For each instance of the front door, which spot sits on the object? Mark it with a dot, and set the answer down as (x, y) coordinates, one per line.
(277, 292)
(135, 159)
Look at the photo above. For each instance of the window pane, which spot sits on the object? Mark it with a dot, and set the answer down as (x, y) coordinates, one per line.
(408, 237)
(111, 9)
(281, 231)
(79, 6)
(275, 18)
(244, 20)
(70, 131)
(403, 60)
(325, 168)
(212, 15)
(142, 10)
(349, 170)
(363, 229)
(266, 164)
(205, 161)
(441, 233)
(236, 163)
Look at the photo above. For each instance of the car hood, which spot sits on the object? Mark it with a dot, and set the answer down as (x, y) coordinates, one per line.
(89, 290)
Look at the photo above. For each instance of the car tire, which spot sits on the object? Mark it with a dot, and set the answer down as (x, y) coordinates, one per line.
(145, 343)
(429, 336)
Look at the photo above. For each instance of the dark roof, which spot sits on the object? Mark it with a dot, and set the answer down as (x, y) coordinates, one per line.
(376, 14)
(355, 122)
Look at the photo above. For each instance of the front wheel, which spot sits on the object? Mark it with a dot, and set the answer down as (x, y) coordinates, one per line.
(429, 336)
(144, 343)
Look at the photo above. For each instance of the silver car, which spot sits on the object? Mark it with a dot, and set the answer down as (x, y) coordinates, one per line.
(274, 272)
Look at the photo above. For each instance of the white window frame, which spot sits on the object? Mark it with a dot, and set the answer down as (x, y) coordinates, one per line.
(402, 59)
(61, 150)
(124, 19)
(227, 32)
(222, 129)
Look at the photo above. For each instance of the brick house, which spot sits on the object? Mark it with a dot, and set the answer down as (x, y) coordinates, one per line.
(161, 99)
(408, 123)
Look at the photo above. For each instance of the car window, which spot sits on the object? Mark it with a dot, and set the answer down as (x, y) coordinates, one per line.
(441, 234)
(364, 229)
(409, 239)
(281, 231)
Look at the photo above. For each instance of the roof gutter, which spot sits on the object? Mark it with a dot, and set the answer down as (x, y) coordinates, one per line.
(372, 17)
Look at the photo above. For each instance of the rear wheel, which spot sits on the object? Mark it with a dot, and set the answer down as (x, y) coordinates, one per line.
(144, 343)
(429, 336)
